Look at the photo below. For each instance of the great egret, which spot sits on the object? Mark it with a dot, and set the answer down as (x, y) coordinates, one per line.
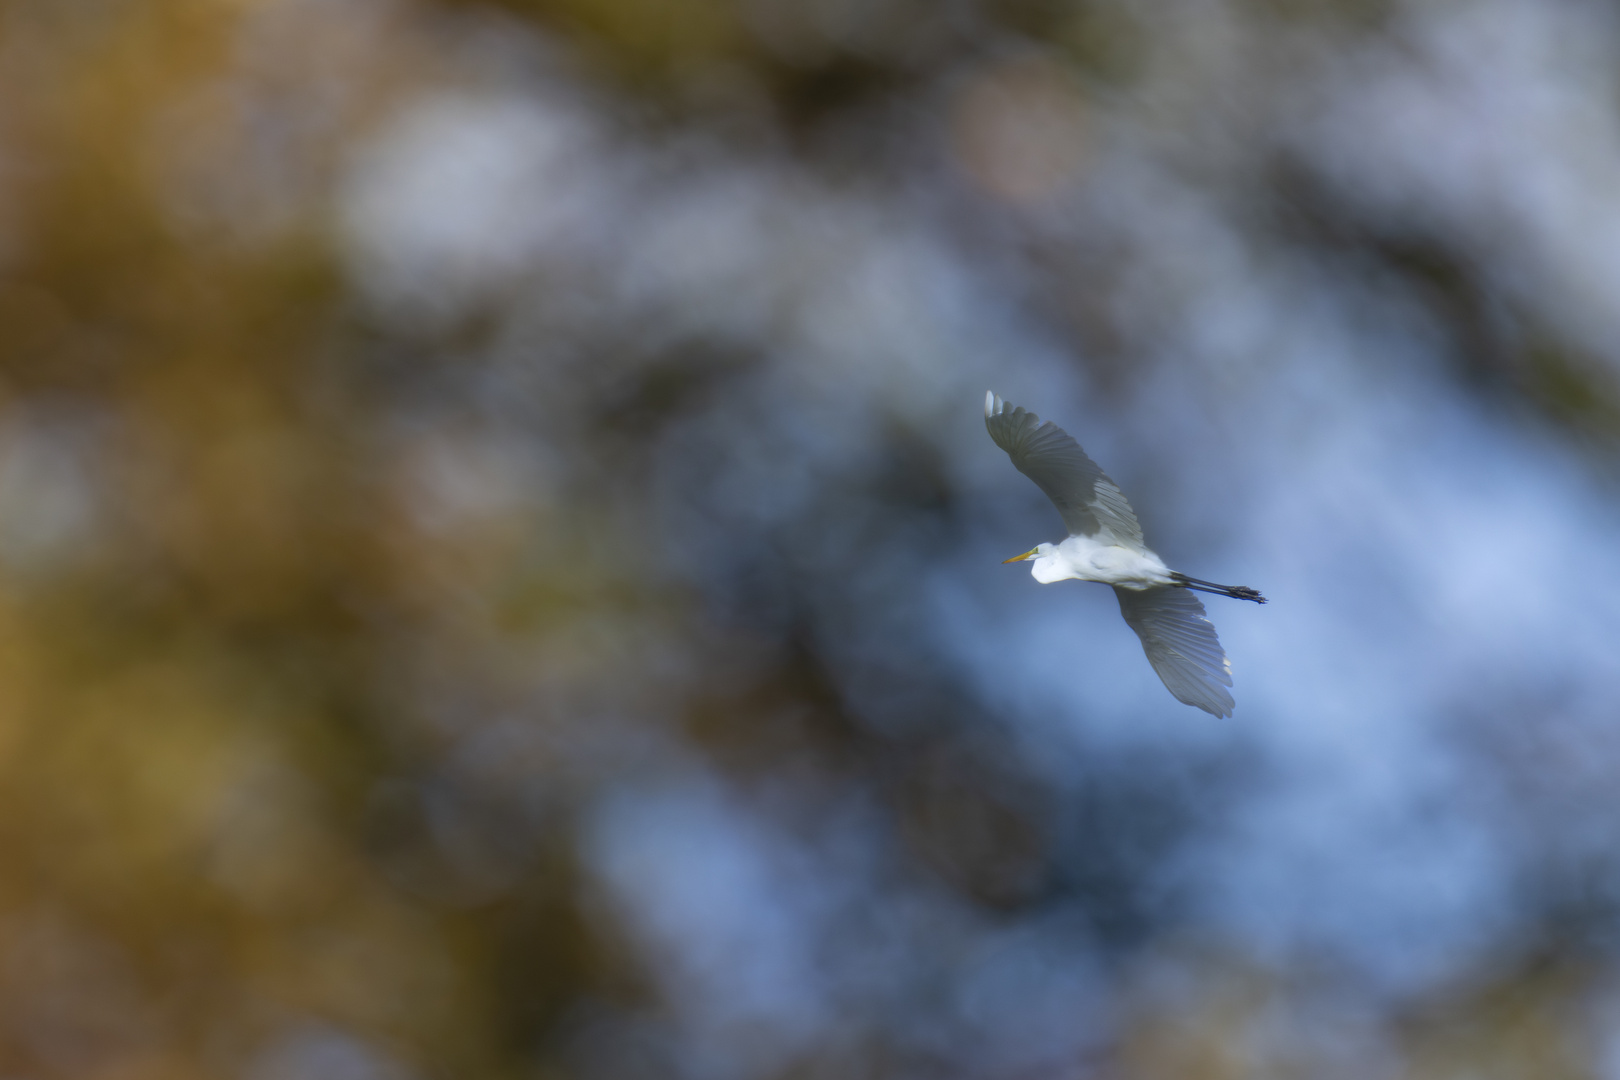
(1105, 544)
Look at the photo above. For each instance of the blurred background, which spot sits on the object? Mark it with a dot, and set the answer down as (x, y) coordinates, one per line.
(499, 551)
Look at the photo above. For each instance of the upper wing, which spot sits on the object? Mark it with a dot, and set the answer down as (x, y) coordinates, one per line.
(1089, 502)
(1181, 645)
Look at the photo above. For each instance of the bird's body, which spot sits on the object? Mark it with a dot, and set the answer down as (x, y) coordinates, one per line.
(1091, 558)
(1105, 545)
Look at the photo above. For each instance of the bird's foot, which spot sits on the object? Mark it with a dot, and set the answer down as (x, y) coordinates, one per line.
(1236, 592)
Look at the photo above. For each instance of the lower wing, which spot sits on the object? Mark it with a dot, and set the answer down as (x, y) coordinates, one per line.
(1181, 645)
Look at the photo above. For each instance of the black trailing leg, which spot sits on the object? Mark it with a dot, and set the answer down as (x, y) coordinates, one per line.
(1236, 592)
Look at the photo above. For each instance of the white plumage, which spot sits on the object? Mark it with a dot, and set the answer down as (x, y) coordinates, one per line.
(1105, 545)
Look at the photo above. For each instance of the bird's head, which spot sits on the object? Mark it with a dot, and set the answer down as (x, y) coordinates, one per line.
(1039, 554)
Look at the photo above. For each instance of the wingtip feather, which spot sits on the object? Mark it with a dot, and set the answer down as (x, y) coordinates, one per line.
(989, 404)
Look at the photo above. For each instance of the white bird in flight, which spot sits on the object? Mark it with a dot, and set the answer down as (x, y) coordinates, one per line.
(1105, 544)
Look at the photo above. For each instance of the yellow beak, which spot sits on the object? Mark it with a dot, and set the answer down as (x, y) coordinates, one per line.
(1030, 554)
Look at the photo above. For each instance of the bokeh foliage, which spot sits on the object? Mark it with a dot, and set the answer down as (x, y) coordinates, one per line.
(328, 625)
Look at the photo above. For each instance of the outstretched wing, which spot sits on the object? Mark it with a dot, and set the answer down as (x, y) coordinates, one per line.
(1181, 645)
(1089, 502)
